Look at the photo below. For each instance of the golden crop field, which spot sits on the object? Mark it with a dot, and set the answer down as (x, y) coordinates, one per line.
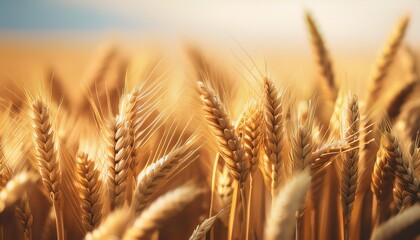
(114, 141)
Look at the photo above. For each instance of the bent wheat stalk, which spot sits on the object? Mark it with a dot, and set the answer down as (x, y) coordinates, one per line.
(229, 142)
(201, 230)
(159, 211)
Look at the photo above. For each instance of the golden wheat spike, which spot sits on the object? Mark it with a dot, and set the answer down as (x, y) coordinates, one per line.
(228, 140)
(252, 135)
(89, 191)
(160, 210)
(118, 158)
(349, 172)
(46, 152)
(406, 185)
(273, 133)
(48, 163)
(384, 61)
(280, 225)
(322, 56)
(302, 145)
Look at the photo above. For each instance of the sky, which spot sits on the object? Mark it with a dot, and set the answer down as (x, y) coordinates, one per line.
(267, 21)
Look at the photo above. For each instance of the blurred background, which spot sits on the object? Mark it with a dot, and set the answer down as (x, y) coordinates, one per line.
(65, 35)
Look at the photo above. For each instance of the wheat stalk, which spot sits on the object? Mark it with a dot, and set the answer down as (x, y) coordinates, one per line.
(158, 173)
(89, 191)
(159, 211)
(384, 61)
(280, 224)
(229, 142)
(118, 158)
(49, 230)
(23, 213)
(201, 230)
(113, 226)
(403, 226)
(273, 133)
(321, 159)
(350, 168)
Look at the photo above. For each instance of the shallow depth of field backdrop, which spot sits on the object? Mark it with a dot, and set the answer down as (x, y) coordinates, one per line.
(265, 120)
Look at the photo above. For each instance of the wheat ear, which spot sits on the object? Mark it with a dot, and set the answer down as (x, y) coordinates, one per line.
(229, 142)
(201, 230)
(322, 56)
(280, 224)
(252, 135)
(113, 226)
(23, 213)
(118, 157)
(48, 163)
(273, 133)
(349, 172)
(406, 183)
(159, 211)
(403, 226)
(89, 191)
(158, 173)
(15, 188)
(302, 145)
(384, 61)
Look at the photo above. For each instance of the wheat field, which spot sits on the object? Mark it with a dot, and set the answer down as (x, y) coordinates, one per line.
(127, 151)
